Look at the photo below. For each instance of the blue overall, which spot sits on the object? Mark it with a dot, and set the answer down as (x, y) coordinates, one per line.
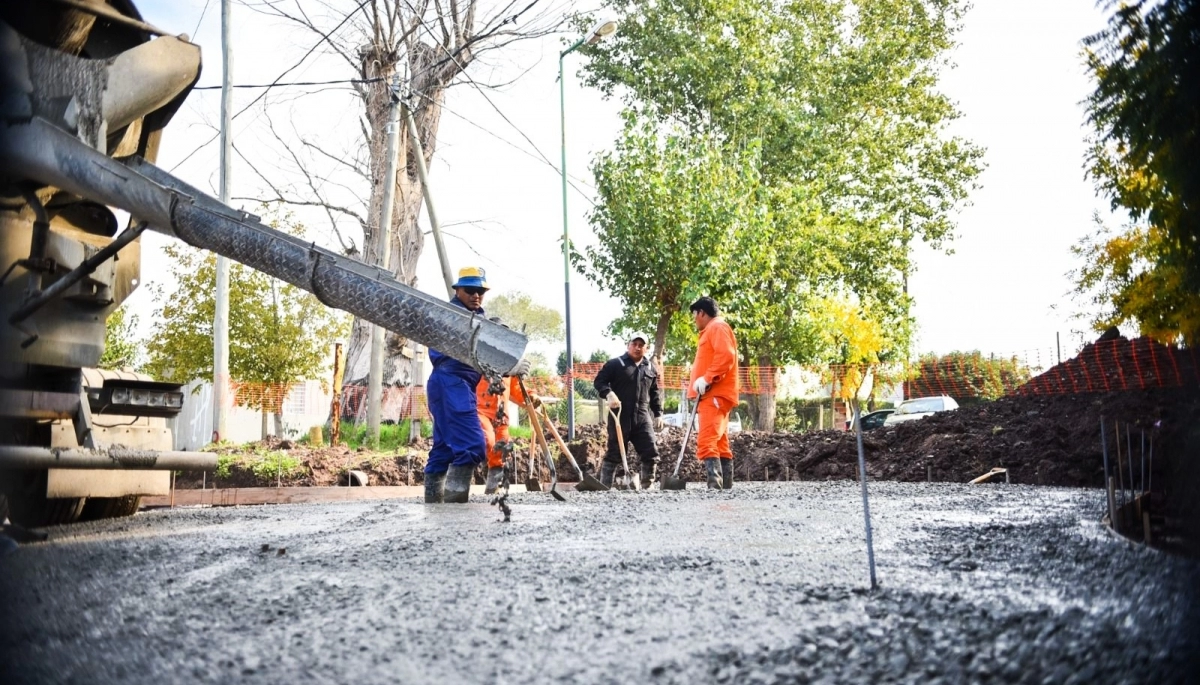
(457, 435)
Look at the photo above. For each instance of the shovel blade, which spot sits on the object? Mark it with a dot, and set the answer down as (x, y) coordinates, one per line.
(557, 495)
(590, 484)
(533, 485)
(673, 483)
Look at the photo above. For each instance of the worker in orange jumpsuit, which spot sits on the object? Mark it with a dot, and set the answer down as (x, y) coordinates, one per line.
(493, 407)
(714, 384)
(491, 402)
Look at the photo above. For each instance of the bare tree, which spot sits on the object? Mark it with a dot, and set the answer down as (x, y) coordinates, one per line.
(429, 44)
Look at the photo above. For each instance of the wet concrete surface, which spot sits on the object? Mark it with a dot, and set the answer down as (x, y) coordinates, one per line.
(766, 583)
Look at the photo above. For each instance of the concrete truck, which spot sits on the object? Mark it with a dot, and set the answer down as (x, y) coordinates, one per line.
(86, 92)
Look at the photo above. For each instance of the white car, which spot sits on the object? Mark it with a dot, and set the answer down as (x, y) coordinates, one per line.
(680, 420)
(919, 408)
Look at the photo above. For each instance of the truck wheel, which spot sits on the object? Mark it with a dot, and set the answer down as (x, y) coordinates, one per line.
(97, 508)
(28, 505)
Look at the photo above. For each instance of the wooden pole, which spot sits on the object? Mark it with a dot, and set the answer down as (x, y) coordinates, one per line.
(335, 409)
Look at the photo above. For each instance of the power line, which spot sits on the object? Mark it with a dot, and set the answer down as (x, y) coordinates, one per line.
(514, 146)
(201, 19)
(295, 83)
(324, 38)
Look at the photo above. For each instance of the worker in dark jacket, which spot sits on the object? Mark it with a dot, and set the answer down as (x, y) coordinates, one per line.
(630, 383)
(458, 441)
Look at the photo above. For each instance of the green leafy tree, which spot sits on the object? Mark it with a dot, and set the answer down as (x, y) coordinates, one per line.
(1146, 117)
(1127, 278)
(1143, 158)
(669, 207)
(278, 334)
(518, 311)
(121, 348)
(827, 128)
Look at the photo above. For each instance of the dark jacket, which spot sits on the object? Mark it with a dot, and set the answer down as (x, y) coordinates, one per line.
(636, 386)
(447, 364)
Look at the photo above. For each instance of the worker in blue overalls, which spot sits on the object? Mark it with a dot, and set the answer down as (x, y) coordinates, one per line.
(458, 442)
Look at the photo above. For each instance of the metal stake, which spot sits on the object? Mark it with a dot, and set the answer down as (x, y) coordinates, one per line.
(1112, 505)
(862, 469)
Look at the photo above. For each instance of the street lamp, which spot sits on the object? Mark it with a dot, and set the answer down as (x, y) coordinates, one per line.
(601, 30)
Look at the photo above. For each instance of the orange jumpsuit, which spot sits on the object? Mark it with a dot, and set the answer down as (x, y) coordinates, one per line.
(491, 410)
(716, 361)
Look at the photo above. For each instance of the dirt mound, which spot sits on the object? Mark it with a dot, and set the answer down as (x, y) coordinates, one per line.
(1040, 440)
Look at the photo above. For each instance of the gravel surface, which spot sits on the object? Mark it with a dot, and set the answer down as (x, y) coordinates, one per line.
(766, 583)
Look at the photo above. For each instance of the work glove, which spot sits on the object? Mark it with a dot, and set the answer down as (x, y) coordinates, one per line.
(613, 401)
(700, 386)
(659, 423)
(535, 401)
(520, 368)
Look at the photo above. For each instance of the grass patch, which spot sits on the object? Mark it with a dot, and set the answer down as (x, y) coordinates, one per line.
(392, 436)
(264, 464)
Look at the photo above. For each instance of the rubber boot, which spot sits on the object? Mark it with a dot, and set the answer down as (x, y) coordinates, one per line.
(495, 475)
(458, 484)
(434, 483)
(607, 471)
(727, 472)
(647, 475)
(712, 467)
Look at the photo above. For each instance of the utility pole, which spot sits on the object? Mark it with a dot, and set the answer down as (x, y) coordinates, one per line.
(221, 318)
(383, 245)
(434, 225)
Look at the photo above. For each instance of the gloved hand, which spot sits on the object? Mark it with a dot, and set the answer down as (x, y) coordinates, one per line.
(520, 368)
(535, 401)
(659, 423)
(700, 386)
(613, 401)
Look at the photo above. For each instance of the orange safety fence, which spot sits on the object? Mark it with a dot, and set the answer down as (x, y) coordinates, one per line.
(402, 402)
(1120, 364)
(753, 380)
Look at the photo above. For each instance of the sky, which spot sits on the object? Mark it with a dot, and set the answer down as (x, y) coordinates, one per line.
(1018, 81)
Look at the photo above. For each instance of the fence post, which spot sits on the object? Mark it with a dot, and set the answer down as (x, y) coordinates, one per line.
(335, 408)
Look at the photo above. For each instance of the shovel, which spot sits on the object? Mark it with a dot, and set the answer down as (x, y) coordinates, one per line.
(587, 483)
(674, 482)
(541, 440)
(630, 482)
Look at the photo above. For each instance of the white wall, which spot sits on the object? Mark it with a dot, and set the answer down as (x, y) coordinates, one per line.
(306, 406)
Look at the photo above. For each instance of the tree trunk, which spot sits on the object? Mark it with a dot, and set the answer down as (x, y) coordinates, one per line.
(278, 424)
(262, 433)
(407, 240)
(762, 407)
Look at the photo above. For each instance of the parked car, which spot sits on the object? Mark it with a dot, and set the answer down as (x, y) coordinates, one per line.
(919, 408)
(679, 420)
(871, 420)
(735, 423)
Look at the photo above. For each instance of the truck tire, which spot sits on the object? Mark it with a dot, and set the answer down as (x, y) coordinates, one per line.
(28, 505)
(97, 508)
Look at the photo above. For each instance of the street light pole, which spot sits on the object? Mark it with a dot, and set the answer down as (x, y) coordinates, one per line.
(602, 29)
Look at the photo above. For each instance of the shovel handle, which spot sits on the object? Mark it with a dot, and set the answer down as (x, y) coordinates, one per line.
(620, 436)
(687, 433)
(621, 443)
(538, 436)
(561, 445)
